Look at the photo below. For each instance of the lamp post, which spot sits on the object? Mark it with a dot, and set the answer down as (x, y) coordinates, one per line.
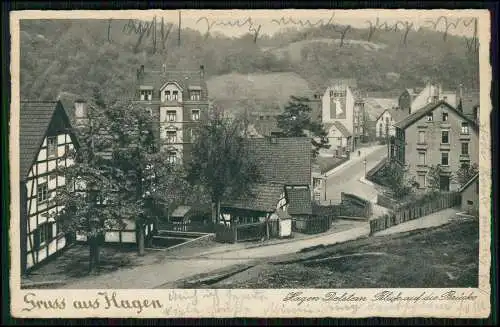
(324, 185)
(364, 162)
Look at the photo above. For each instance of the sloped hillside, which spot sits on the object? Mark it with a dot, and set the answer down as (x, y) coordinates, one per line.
(236, 92)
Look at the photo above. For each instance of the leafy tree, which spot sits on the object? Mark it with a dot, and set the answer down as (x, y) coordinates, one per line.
(296, 121)
(434, 178)
(465, 173)
(396, 179)
(221, 161)
(118, 175)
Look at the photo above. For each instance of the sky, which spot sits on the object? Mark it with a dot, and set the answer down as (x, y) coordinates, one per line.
(234, 23)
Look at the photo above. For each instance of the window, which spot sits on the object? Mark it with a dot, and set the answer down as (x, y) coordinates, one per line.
(43, 234)
(421, 137)
(465, 128)
(51, 146)
(445, 137)
(195, 95)
(172, 157)
(175, 95)
(171, 115)
(171, 136)
(465, 149)
(445, 116)
(331, 93)
(42, 192)
(167, 95)
(444, 158)
(146, 95)
(430, 116)
(195, 114)
(421, 158)
(261, 117)
(421, 180)
(193, 135)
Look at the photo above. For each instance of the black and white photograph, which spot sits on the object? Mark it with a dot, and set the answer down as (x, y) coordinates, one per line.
(341, 152)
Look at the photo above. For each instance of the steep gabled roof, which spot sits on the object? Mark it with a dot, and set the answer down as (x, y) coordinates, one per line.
(299, 201)
(342, 129)
(184, 78)
(285, 160)
(375, 107)
(474, 178)
(261, 197)
(417, 115)
(34, 121)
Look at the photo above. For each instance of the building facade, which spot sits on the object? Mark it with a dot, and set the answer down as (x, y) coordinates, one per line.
(384, 125)
(341, 105)
(179, 102)
(470, 196)
(437, 134)
(46, 137)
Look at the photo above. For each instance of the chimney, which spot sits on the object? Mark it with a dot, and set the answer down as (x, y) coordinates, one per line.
(202, 71)
(81, 112)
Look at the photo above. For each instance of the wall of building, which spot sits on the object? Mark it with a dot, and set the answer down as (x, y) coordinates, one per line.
(433, 148)
(470, 197)
(347, 106)
(38, 212)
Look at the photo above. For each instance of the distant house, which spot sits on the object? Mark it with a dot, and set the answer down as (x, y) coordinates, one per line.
(46, 136)
(437, 134)
(285, 168)
(342, 114)
(384, 126)
(374, 110)
(470, 196)
(263, 123)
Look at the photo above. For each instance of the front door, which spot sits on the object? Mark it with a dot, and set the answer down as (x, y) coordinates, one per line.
(444, 183)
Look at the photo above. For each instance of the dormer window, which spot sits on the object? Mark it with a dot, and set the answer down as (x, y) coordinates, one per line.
(195, 95)
(430, 117)
(146, 95)
(167, 95)
(175, 95)
(465, 128)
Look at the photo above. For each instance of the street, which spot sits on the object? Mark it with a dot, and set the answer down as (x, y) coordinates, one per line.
(347, 178)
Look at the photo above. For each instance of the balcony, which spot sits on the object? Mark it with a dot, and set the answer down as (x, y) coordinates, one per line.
(445, 125)
(171, 102)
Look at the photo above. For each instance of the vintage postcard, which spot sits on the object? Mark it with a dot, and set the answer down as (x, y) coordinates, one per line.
(250, 163)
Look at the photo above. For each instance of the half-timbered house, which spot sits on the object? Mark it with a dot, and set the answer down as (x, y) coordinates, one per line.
(45, 139)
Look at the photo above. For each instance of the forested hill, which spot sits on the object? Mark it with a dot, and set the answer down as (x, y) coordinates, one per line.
(76, 56)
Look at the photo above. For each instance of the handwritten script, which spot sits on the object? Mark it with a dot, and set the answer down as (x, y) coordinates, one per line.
(159, 32)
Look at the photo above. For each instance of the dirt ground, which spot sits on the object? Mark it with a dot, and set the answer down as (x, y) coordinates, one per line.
(446, 256)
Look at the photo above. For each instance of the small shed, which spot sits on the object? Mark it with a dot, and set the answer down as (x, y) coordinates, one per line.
(469, 194)
(181, 214)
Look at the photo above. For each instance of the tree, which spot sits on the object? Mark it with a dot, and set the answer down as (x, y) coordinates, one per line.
(434, 178)
(464, 174)
(221, 161)
(396, 179)
(296, 122)
(120, 174)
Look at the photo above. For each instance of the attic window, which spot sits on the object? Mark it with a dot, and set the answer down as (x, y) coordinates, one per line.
(430, 117)
(195, 95)
(146, 95)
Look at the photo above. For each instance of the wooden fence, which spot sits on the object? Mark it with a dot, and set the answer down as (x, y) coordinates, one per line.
(188, 227)
(313, 225)
(410, 212)
(245, 232)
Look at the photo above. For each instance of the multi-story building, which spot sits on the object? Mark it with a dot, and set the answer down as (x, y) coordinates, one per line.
(437, 134)
(179, 102)
(45, 138)
(342, 115)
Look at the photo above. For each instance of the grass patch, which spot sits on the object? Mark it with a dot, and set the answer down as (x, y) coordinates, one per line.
(447, 256)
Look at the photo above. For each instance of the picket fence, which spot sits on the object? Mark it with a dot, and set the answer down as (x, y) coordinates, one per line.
(410, 212)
